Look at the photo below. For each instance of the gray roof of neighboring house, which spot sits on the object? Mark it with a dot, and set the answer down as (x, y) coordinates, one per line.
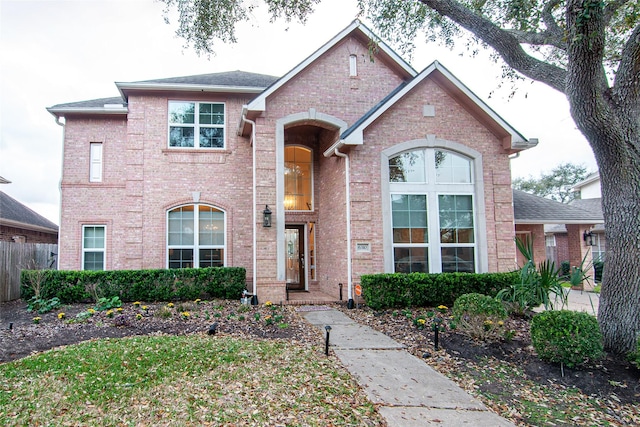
(92, 103)
(532, 209)
(15, 214)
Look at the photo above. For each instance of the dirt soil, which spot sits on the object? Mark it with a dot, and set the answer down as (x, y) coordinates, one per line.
(611, 378)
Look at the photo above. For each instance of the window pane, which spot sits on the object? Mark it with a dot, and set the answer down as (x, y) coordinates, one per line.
(410, 260)
(458, 260)
(211, 258)
(211, 226)
(452, 168)
(211, 137)
(409, 218)
(93, 261)
(180, 258)
(182, 112)
(456, 218)
(298, 175)
(211, 114)
(181, 137)
(181, 226)
(408, 167)
(94, 237)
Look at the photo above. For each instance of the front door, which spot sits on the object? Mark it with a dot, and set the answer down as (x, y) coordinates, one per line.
(294, 247)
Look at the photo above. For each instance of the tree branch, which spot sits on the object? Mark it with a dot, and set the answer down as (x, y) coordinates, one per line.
(506, 44)
(626, 90)
(550, 21)
(539, 39)
(611, 9)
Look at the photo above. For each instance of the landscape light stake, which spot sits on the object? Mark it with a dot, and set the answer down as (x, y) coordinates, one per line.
(326, 343)
(436, 331)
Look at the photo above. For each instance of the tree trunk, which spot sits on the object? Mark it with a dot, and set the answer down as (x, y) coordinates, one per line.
(619, 312)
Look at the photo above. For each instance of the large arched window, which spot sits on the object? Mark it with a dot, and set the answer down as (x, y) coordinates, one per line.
(432, 211)
(195, 237)
(298, 179)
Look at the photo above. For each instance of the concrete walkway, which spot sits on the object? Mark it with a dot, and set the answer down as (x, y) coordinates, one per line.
(407, 391)
(578, 301)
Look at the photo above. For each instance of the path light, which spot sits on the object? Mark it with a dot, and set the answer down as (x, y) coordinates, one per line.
(436, 331)
(326, 343)
(213, 328)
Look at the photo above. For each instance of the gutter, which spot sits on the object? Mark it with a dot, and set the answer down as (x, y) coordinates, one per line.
(336, 151)
(254, 196)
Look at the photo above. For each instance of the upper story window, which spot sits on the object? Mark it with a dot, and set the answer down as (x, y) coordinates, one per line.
(298, 179)
(196, 124)
(452, 168)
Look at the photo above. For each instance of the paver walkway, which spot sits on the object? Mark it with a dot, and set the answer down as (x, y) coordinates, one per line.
(408, 392)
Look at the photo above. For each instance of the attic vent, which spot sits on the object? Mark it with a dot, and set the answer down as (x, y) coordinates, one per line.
(353, 65)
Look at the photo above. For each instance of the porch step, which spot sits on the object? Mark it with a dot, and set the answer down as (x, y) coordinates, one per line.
(311, 297)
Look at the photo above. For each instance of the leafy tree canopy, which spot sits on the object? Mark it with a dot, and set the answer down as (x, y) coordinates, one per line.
(556, 185)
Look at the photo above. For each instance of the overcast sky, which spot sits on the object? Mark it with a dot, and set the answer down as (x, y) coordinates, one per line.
(57, 51)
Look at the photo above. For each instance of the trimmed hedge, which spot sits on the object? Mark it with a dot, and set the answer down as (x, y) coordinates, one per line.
(136, 285)
(399, 290)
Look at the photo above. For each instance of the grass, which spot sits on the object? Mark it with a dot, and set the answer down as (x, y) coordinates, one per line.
(181, 381)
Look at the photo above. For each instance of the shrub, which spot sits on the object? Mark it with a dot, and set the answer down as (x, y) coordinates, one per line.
(565, 269)
(598, 268)
(136, 285)
(567, 337)
(400, 290)
(480, 316)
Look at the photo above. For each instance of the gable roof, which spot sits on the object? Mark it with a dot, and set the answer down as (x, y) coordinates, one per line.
(15, 214)
(532, 209)
(593, 177)
(357, 29)
(512, 139)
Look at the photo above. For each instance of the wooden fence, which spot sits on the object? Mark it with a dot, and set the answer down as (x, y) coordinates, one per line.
(14, 257)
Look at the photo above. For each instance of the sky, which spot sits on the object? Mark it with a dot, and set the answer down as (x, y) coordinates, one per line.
(60, 51)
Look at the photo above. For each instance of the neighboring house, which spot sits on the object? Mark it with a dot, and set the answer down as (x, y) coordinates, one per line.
(20, 224)
(535, 216)
(351, 163)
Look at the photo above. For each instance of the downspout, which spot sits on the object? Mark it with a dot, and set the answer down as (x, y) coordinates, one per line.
(254, 300)
(347, 178)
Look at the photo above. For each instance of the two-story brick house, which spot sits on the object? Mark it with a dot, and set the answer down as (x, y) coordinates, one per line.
(365, 165)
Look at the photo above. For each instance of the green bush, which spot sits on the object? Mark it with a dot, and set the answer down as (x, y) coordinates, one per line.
(137, 285)
(565, 269)
(399, 290)
(598, 268)
(480, 316)
(568, 337)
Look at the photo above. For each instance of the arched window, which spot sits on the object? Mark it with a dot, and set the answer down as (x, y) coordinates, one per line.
(432, 211)
(298, 179)
(195, 237)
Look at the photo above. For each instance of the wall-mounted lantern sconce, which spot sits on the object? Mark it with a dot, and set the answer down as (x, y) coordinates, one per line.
(266, 220)
(587, 236)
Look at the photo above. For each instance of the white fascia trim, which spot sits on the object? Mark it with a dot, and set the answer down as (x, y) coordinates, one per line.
(260, 103)
(179, 87)
(559, 221)
(110, 110)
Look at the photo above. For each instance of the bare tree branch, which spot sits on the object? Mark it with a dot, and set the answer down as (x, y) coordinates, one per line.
(539, 39)
(550, 21)
(506, 44)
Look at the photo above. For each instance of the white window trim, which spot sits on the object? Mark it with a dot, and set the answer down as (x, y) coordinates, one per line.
(353, 65)
(104, 249)
(95, 161)
(196, 235)
(476, 190)
(196, 126)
